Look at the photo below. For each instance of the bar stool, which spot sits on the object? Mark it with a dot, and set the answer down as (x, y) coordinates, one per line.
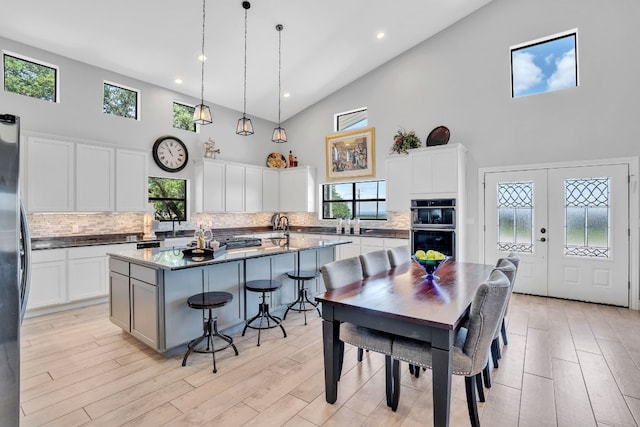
(209, 301)
(263, 286)
(303, 298)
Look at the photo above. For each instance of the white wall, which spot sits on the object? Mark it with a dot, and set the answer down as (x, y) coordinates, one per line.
(461, 79)
(79, 114)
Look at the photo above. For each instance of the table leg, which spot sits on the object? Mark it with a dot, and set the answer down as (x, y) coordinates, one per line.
(441, 375)
(331, 344)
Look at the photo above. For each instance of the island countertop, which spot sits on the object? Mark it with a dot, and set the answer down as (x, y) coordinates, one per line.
(174, 259)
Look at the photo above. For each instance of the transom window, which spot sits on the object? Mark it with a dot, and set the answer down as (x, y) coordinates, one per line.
(348, 120)
(587, 217)
(120, 101)
(515, 217)
(183, 117)
(364, 200)
(169, 198)
(544, 65)
(29, 77)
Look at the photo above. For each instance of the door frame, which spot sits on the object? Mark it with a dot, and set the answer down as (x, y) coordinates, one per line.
(634, 210)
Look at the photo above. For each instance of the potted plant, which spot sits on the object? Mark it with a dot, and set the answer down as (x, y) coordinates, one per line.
(403, 141)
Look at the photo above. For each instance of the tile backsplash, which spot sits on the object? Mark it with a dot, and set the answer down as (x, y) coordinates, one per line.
(69, 224)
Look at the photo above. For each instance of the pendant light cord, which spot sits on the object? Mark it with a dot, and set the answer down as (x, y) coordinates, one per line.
(202, 55)
(244, 107)
(279, 28)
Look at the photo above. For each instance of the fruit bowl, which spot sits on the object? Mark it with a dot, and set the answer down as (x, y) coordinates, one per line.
(430, 266)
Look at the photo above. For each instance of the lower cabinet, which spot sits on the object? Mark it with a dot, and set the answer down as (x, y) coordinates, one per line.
(87, 272)
(144, 312)
(48, 278)
(119, 302)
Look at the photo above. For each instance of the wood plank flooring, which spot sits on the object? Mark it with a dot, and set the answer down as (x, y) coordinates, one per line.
(567, 364)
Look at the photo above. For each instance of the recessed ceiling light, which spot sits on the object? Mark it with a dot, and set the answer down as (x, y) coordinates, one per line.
(380, 35)
(178, 81)
(286, 94)
(202, 57)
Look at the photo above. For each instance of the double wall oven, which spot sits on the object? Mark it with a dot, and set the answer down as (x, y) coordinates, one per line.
(433, 225)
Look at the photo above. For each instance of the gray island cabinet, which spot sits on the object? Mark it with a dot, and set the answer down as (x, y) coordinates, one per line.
(149, 287)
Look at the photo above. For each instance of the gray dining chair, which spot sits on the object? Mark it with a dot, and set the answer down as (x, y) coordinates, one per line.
(509, 270)
(338, 274)
(375, 262)
(471, 345)
(399, 255)
(515, 260)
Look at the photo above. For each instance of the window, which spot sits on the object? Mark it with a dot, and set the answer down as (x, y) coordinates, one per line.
(169, 198)
(364, 200)
(120, 101)
(350, 120)
(544, 65)
(586, 210)
(515, 217)
(183, 117)
(30, 78)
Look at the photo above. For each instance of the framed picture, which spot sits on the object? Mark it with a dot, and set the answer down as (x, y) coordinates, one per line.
(351, 154)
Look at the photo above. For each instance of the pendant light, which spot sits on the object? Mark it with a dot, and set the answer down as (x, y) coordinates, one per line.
(244, 126)
(202, 113)
(279, 134)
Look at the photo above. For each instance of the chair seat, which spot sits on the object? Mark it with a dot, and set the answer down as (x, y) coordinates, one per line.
(263, 285)
(302, 275)
(209, 300)
(366, 338)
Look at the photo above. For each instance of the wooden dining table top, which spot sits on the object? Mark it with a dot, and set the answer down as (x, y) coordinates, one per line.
(404, 293)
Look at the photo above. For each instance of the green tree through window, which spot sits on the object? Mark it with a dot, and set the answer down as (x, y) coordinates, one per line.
(183, 117)
(29, 78)
(120, 101)
(169, 198)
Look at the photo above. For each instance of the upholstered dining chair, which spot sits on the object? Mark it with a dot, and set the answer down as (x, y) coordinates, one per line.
(399, 255)
(509, 270)
(515, 260)
(375, 262)
(338, 274)
(471, 346)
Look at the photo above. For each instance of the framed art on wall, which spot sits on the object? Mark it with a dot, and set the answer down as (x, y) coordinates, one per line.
(351, 154)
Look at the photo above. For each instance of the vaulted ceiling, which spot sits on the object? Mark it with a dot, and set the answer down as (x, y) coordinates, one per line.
(325, 44)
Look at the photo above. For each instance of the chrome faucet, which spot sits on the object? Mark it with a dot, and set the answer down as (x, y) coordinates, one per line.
(173, 225)
(283, 224)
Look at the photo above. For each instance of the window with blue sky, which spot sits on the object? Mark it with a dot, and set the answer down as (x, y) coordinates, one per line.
(544, 65)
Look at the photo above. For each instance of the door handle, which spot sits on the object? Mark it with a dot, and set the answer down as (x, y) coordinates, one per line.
(543, 230)
(543, 239)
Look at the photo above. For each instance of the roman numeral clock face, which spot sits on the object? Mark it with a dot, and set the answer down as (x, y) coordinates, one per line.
(170, 154)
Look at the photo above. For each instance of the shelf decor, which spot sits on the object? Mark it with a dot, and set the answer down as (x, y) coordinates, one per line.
(350, 154)
(402, 141)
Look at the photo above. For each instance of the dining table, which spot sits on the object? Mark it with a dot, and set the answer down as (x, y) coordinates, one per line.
(405, 301)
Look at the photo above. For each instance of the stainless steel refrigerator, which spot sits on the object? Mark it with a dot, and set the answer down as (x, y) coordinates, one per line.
(15, 251)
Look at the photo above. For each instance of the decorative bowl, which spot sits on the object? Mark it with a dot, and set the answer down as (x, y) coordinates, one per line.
(430, 266)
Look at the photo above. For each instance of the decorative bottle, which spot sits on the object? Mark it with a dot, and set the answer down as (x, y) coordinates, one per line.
(290, 159)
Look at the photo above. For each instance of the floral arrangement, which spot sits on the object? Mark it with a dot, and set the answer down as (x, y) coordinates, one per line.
(402, 141)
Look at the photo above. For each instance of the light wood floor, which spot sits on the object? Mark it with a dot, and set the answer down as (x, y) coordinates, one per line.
(567, 364)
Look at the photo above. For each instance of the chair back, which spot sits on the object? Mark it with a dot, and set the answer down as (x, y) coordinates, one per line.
(515, 260)
(399, 255)
(375, 262)
(485, 315)
(340, 273)
(509, 270)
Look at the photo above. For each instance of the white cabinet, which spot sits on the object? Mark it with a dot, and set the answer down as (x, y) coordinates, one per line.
(63, 176)
(297, 189)
(95, 178)
(398, 183)
(87, 272)
(253, 189)
(50, 178)
(363, 245)
(131, 179)
(209, 186)
(270, 190)
(48, 278)
(437, 171)
(234, 188)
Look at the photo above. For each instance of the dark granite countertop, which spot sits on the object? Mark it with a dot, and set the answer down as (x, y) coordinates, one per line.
(61, 242)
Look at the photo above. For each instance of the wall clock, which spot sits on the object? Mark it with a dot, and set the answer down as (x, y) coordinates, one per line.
(170, 154)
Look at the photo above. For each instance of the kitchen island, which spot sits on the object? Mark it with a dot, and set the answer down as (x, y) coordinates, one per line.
(149, 287)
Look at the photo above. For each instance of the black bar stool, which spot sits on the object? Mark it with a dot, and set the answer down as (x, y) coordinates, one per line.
(209, 301)
(299, 304)
(263, 286)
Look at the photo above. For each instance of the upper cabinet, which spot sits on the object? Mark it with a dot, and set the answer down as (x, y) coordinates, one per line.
(438, 172)
(131, 180)
(209, 186)
(95, 178)
(297, 189)
(64, 176)
(398, 183)
(50, 175)
(270, 190)
(234, 190)
(253, 189)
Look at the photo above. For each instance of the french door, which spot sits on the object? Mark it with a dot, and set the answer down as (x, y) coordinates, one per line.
(570, 227)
